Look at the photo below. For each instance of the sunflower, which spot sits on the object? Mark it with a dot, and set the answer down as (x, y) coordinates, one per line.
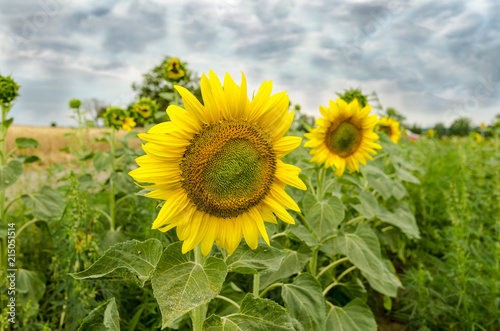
(345, 136)
(128, 123)
(478, 137)
(145, 109)
(390, 127)
(218, 165)
(175, 69)
(114, 117)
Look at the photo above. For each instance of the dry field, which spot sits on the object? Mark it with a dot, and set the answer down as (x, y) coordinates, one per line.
(52, 139)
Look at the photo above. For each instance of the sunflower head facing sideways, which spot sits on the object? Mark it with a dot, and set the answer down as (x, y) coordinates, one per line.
(114, 117)
(344, 137)
(145, 109)
(390, 127)
(175, 69)
(218, 165)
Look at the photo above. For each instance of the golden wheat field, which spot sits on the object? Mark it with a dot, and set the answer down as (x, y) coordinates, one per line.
(53, 139)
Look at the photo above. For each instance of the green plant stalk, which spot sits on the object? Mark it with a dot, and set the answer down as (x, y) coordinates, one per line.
(256, 285)
(198, 314)
(112, 203)
(320, 176)
(3, 210)
(313, 263)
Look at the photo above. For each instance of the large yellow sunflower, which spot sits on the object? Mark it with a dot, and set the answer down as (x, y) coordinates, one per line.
(345, 136)
(218, 166)
(390, 127)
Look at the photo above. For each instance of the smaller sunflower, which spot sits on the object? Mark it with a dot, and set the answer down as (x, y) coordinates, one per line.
(145, 110)
(483, 125)
(390, 127)
(114, 117)
(431, 133)
(345, 136)
(479, 137)
(128, 124)
(175, 69)
(9, 90)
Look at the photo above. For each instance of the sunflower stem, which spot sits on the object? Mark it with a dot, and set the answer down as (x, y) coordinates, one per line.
(256, 284)
(314, 261)
(112, 204)
(320, 177)
(199, 313)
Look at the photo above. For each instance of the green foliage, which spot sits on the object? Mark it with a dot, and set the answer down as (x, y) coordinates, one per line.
(460, 127)
(255, 314)
(155, 86)
(356, 315)
(393, 113)
(75, 104)
(9, 90)
(351, 94)
(440, 130)
(105, 317)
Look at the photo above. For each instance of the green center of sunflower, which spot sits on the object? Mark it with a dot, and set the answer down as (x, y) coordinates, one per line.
(344, 139)
(228, 168)
(385, 129)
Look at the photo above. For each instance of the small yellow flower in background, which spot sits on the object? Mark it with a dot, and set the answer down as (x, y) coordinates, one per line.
(390, 127)
(483, 126)
(479, 137)
(175, 69)
(345, 136)
(431, 133)
(218, 165)
(128, 124)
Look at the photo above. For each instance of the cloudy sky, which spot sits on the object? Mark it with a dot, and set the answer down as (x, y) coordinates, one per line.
(433, 61)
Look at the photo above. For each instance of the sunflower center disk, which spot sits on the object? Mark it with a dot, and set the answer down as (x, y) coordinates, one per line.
(344, 139)
(385, 129)
(228, 168)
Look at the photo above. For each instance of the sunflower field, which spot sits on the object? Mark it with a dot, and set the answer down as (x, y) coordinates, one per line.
(236, 213)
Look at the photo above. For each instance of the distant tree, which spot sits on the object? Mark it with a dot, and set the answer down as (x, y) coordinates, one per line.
(95, 108)
(416, 129)
(440, 130)
(393, 113)
(461, 127)
(352, 94)
(156, 82)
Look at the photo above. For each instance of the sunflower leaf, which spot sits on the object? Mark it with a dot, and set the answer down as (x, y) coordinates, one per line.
(10, 173)
(324, 216)
(255, 314)
(401, 218)
(104, 317)
(363, 250)
(293, 263)
(45, 204)
(245, 260)
(356, 315)
(180, 285)
(128, 260)
(304, 301)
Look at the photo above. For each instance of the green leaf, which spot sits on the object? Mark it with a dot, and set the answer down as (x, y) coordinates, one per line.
(129, 260)
(255, 315)
(69, 135)
(87, 156)
(45, 204)
(406, 175)
(167, 95)
(402, 219)
(355, 289)
(355, 316)
(180, 285)
(304, 301)
(30, 287)
(65, 149)
(350, 180)
(293, 263)
(105, 318)
(89, 124)
(399, 190)
(25, 159)
(325, 216)
(369, 205)
(8, 122)
(363, 250)
(301, 234)
(245, 260)
(102, 161)
(123, 182)
(378, 180)
(27, 143)
(10, 173)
